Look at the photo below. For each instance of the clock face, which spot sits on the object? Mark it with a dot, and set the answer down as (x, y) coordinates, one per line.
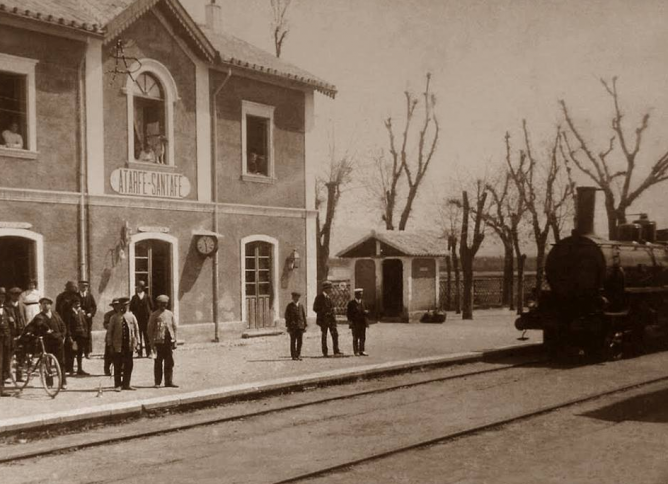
(206, 245)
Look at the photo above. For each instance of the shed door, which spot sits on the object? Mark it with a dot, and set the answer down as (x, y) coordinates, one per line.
(365, 278)
(259, 285)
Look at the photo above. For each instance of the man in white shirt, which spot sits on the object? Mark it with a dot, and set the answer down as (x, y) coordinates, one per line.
(11, 136)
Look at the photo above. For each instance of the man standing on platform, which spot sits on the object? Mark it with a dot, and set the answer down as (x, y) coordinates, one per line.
(162, 328)
(122, 336)
(18, 319)
(142, 307)
(326, 319)
(356, 313)
(295, 322)
(5, 343)
(108, 352)
(89, 307)
(49, 325)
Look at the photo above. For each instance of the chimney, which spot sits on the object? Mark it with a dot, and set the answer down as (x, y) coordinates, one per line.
(214, 16)
(584, 212)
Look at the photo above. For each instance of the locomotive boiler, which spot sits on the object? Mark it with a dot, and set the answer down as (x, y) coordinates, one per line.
(606, 298)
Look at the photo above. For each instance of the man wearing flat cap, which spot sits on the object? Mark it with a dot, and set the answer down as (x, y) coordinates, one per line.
(142, 307)
(18, 319)
(51, 327)
(326, 319)
(162, 328)
(89, 308)
(295, 322)
(108, 352)
(122, 336)
(357, 320)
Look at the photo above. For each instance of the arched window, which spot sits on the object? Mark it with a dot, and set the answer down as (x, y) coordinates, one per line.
(151, 93)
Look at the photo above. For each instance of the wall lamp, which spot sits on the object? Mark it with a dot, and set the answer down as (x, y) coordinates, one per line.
(293, 260)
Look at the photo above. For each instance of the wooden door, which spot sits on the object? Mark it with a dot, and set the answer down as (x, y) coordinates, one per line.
(259, 285)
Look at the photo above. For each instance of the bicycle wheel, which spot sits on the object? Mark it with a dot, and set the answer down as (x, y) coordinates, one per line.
(13, 366)
(50, 374)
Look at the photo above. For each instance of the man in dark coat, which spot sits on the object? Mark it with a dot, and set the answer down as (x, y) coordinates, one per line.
(5, 343)
(51, 327)
(122, 335)
(142, 307)
(63, 305)
(108, 352)
(326, 319)
(89, 307)
(18, 319)
(357, 319)
(295, 322)
(77, 328)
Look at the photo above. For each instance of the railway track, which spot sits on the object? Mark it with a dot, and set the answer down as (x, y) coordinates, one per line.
(467, 432)
(88, 439)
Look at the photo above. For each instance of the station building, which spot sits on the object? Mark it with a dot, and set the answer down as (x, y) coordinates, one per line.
(156, 149)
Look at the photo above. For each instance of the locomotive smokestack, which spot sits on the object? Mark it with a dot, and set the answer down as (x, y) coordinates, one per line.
(584, 215)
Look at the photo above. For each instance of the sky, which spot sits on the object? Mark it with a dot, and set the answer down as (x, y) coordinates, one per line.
(493, 63)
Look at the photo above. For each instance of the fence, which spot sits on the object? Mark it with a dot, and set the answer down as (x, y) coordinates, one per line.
(487, 292)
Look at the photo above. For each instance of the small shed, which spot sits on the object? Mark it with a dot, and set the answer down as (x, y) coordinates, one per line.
(398, 271)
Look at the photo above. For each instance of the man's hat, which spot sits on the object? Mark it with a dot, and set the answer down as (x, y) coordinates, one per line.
(123, 300)
(162, 298)
(359, 289)
(15, 290)
(326, 284)
(296, 293)
(45, 299)
(84, 282)
(140, 284)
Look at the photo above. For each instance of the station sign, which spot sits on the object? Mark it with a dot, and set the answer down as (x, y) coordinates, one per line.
(145, 183)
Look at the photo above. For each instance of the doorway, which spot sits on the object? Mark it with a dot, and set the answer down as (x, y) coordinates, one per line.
(393, 288)
(153, 265)
(17, 262)
(258, 279)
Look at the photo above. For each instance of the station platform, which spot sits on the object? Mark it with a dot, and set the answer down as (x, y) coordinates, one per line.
(211, 373)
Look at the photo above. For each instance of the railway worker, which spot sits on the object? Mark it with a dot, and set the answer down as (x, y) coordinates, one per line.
(77, 327)
(89, 307)
(326, 319)
(357, 320)
(162, 328)
(108, 353)
(122, 336)
(18, 319)
(295, 322)
(30, 297)
(5, 344)
(142, 307)
(51, 327)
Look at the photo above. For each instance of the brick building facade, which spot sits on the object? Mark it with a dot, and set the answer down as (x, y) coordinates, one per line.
(154, 149)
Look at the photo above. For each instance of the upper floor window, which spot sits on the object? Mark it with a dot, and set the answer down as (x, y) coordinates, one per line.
(150, 140)
(17, 103)
(151, 97)
(257, 133)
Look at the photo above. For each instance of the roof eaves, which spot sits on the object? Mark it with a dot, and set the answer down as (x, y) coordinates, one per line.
(355, 244)
(90, 29)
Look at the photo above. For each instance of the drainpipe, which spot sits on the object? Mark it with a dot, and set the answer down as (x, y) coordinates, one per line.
(81, 101)
(214, 195)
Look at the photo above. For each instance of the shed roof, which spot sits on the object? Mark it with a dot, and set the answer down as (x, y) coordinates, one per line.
(401, 243)
(110, 17)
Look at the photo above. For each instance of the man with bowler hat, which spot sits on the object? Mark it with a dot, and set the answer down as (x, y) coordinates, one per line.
(162, 328)
(357, 313)
(142, 307)
(89, 308)
(295, 322)
(122, 336)
(108, 352)
(326, 319)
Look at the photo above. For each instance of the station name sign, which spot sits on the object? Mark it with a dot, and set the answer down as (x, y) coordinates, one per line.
(144, 183)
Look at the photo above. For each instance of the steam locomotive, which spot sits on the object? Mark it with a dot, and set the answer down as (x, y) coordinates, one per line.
(606, 298)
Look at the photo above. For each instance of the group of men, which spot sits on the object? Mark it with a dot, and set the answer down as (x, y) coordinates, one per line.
(323, 306)
(66, 331)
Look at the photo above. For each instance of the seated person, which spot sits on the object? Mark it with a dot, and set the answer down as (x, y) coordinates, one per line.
(256, 164)
(11, 136)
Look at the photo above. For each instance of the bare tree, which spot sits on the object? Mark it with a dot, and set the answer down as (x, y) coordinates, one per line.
(543, 198)
(451, 220)
(328, 193)
(279, 24)
(616, 184)
(469, 249)
(403, 160)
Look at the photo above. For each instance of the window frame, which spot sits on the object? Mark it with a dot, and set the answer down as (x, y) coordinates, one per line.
(171, 95)
(249, 108)
(23, 66)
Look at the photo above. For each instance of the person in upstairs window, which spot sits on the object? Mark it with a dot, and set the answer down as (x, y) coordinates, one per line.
(11, 137)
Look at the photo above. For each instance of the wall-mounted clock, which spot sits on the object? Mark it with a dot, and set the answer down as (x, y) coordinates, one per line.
(207, 244)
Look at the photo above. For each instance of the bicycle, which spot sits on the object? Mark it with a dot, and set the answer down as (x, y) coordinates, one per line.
(45, 363)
